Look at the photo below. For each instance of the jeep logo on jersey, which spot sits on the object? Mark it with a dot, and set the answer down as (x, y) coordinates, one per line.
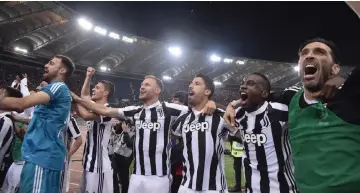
(203, 126)
(148, 125)
(258, 139)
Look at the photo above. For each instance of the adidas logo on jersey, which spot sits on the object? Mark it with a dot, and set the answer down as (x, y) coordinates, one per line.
(258, 139)
(203, 126)
(148, 125)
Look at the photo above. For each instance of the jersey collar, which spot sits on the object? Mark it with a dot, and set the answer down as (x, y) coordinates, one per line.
(260, 110)
(153, 105)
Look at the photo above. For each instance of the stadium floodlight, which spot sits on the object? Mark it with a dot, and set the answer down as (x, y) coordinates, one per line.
(17, 49)
(217, 83)
(228, 60)
(240, 62)
(296, 68)
(127, 39)
(176, 51)
(103, 68)
(114, 35)
(100, 30)
(108, 69)
(165, 77)
(215, 58)
(85, 24)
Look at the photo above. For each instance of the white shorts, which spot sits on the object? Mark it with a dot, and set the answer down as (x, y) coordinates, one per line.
(65, 178)
(12, 179)
(183, 189)
(140, 183)
(97, 182)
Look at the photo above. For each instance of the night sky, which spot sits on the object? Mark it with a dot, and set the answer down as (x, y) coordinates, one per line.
(261, 30)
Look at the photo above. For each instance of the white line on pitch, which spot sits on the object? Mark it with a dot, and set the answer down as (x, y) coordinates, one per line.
(74, 184)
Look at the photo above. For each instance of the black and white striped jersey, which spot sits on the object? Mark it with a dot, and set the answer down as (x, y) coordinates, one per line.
(96, 155)
(152, 127)
(203, 138)
(72, 132)
(267, 158)
(6, 136)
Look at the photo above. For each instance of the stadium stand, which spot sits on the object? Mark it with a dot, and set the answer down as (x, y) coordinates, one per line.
(40, 30)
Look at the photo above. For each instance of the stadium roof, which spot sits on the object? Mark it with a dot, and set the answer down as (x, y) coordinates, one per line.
(40, 29)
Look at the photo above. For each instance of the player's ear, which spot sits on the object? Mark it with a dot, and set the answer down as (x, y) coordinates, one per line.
(63, 70)
(335, 69)
(265, 94)
(106, 93)
(157, 90)
(207, 92)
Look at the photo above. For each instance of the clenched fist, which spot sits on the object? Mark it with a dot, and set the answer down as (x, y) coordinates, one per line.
(90, 71)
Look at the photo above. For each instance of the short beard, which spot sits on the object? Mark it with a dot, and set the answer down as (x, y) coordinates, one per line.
(313, 88)
(46, 79)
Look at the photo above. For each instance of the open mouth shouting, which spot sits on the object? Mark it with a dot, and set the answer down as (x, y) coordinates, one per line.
(191, 93)
(310, 71)
(244, 98)
(46, 71)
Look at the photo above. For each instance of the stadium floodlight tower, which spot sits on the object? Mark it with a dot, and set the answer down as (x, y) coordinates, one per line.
(21, 50)
(166, 78)
(103, 68)
(87, 25)
(241, 62)
(100, 30)
(217, 83)
(175, 51)
(215, 58)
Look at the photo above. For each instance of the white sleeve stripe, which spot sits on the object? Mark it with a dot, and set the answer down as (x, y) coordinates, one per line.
(292, 89)
(279, 106)
(55, 87)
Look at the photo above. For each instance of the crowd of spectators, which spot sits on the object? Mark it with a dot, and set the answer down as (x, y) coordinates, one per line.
(9, 72)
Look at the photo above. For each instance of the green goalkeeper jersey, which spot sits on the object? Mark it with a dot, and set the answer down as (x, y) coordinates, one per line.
(325, 147)
(16, 150)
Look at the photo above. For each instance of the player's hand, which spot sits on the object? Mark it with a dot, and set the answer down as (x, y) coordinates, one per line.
(90, 71)
(75, 97)
(330, 88)
(229, 115)
(209, 108)
(233, 130)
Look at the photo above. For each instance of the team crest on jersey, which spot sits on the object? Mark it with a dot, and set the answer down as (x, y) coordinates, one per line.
(265, 122)
(160, 111)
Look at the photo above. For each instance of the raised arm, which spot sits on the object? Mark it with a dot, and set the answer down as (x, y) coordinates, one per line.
(24, 86)
(85, 90)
